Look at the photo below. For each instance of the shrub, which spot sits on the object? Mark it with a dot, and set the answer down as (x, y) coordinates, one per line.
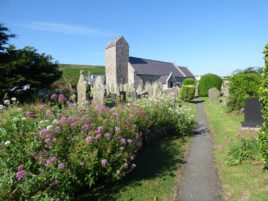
(263, 135)
(243, 85)
(207, 82)
(60, 151)
(187, 92)
(188, 81)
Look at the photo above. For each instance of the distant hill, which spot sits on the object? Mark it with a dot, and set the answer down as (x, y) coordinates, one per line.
(71, 72)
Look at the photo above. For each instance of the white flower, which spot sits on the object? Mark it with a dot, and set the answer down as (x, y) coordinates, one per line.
(13, 99)
(23, 118)
(7, 102)
(55, 121)
(19, 109)
(2, 107)
(49, 127)
(7, 142)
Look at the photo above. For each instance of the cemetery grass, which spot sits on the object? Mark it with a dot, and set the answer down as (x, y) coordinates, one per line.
(247, 181)
(157, 174)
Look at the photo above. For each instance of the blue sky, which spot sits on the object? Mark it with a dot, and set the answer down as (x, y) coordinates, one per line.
(208, 36)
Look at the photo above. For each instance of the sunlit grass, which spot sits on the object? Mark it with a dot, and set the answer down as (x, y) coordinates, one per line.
(242, 182)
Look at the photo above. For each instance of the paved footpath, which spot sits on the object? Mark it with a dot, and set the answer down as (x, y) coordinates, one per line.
(200, 180)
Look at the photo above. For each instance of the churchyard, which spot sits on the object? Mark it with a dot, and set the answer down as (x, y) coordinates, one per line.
(160, 140)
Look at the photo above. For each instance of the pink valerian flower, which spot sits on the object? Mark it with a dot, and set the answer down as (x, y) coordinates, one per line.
(123, 141)
(58, 199)
(129, 141)
(118, 171)
(20, 167)
(100, 129)
(57, 129)
(132, 158)
(61, 166)
(30, 114)
(117, 155)
(71, 105)
(51, 160)
(125, 164)
(98, 136)
(55, 183)
(117, 129)
(72, 119)
(122, 148)
(61, 98)
(81, 164)
(44, 132)
(63, 120)
(108, 136)
(89, 139)
(104, 162)
(74, 124)
(85, 118)
(54, 97)
(20, 173)
(32, 154)
(85, 127)
(49, 113)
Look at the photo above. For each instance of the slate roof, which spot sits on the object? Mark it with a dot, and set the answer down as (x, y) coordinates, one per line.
(186, 71)
(163, 79)
(153, 67)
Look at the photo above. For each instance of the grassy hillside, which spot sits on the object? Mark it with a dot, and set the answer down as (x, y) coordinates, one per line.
(71, 72)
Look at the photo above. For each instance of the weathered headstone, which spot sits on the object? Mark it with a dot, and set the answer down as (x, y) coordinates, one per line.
(113, 97)
(148, 89)
(157, 89)
(252, 113)
(98, 91)
(81, 89)
(214, 95)
(172, 91)
(139, 90)
(225, 92)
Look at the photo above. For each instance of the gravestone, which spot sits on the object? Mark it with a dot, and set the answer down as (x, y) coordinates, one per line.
(98, 91)
(252, 113)
(139, 90)
(214, 95)
(225, 92)
(81, 89)
(172, 91)
(157, 89)
(123, 96)
(133, 95)
(148, 89)
(113, 97)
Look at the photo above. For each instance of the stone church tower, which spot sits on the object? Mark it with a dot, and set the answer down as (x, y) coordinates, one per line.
(116, 62)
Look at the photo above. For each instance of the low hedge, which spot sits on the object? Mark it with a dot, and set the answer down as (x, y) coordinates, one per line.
(208, 82)
(188, 81)
(187, 92)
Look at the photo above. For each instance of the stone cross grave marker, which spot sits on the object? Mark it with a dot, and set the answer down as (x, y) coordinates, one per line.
(252, 113)
(214, 95)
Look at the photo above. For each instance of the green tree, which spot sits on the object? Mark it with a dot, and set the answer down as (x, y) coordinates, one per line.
(188, 81)
(5, 35)
(27, 66)
(263, 135)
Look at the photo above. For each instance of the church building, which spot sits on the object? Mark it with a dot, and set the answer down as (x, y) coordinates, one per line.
(120, 68)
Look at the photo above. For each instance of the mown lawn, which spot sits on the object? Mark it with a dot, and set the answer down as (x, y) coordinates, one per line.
(157, 174)
(248, 181)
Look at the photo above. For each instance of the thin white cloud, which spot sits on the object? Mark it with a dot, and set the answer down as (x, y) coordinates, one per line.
(66, 29)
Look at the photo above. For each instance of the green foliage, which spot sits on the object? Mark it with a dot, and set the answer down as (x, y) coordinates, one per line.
(5, 35)
(187, 92)
(188, 81)
(243, 85)
(244, 150)
(27, 66)
(263, 135)
(61, 150)
(207, 82)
